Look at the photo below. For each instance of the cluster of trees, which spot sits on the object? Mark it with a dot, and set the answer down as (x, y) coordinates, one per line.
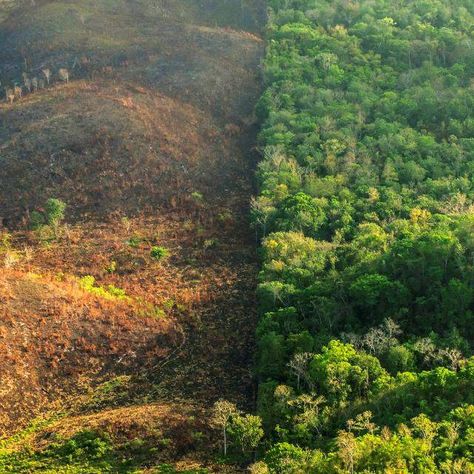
(33, 84)
(241, 430)
(367, 222)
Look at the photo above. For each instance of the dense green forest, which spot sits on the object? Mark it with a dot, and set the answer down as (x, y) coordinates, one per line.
(366, 218)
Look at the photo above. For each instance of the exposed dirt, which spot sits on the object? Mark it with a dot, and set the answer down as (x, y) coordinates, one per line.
(149, 144)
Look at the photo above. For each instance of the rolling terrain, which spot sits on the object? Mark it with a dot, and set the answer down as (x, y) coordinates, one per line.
(148, 143)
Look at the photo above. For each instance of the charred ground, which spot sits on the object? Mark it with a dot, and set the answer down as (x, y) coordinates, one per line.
(148, 144)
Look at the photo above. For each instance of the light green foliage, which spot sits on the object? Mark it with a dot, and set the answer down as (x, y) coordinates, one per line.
(246, 431)
(341, 373)
(110, 292)
(292, 257)
(159, 253)
(54, 212)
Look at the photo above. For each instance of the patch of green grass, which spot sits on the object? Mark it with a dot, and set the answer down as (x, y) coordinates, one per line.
(7, 445)
(169, 469)
(110, 292)
(134, 241)
(87, 452)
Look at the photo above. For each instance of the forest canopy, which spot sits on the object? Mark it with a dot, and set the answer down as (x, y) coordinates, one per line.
(366, 217)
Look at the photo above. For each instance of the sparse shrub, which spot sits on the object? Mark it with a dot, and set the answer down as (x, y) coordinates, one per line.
(134, 241)
(10, 259)
(111, 292)
(112, 267)
(49, 220)
(169, 303)
(9, 255)
(63, 74)
(152, 311)
(37, 220)
(159, 253)
(116, 292)
(210, 243)
(126, 223)
(5, 241)
(169, 469)
(225, 216)
(259, 468)
(197, 197)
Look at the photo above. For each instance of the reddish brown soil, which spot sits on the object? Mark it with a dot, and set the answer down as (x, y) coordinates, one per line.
(126, 149)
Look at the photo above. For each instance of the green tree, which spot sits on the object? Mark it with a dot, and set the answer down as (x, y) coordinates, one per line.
(247, 431)
(222, 414)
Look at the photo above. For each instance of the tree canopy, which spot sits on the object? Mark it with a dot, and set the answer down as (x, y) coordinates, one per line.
(366, 217)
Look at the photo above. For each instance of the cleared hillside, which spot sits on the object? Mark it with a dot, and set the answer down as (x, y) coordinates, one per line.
(148, 145)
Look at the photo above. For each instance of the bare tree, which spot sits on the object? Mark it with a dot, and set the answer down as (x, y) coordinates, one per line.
(347, 450)
(18, 91)
(34, 83)
(392, 329)
(427, 350)
(375, 341)
(9, 95)
(308, 406)
(455, 357)
(27, 83)
(47, 74)
(299, 365)
(362, 422)
(381, 338)
(63, 75)
(262, 209)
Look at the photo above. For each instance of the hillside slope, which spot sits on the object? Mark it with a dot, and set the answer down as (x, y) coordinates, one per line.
(148, 145)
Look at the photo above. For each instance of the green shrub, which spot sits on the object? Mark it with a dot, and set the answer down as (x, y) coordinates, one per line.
(49, 219)
(159, 253)
(37, 220)
(111, 292)
(134, 241)
(55, 211)
(85, 444)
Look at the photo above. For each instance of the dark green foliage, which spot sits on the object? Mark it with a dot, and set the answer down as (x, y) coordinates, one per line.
(52, 215)
(365, 209)
(54, 211)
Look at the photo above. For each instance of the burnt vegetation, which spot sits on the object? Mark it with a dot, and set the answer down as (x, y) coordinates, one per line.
(128, 271)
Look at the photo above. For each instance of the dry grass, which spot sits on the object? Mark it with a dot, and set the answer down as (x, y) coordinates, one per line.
(126, 146)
